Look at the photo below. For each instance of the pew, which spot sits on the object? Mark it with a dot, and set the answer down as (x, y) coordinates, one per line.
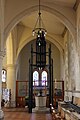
(70, 110)
(55, 114)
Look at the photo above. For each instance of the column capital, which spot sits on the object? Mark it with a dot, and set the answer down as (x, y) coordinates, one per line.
(11, 65)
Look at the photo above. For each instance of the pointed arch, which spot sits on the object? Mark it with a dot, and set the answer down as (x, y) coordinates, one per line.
(29, 11)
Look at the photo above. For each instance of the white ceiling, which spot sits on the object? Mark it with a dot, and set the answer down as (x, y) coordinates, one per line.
(52, 24)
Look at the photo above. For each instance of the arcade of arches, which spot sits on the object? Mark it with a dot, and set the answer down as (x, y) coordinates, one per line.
(62, 21)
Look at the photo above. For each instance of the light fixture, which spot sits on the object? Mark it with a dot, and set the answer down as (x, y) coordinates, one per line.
(39, 26)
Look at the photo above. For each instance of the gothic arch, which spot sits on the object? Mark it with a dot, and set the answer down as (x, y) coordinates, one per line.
(29, 11)
(55, 42)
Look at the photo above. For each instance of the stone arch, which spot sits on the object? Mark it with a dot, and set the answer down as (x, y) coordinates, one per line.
(50, 39)
(29, 11)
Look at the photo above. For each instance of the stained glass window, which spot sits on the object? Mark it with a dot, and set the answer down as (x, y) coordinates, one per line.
(44, 78)
(3, 75)
(35, 78)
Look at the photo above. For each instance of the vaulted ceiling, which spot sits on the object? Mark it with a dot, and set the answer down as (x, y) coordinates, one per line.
(51, 22)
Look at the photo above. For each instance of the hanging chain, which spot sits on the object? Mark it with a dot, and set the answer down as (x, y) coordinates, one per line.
(39, 16)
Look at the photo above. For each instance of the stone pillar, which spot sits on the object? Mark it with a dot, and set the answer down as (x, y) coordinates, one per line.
(62, 72)
(73, 65)
(11, 71)
(66, 72)
(11, 83)
(1, 60)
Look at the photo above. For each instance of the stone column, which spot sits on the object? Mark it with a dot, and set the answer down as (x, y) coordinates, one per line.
(11, 82)
(11, 71)
(1, 60)
(66, 71)
(62, 72)
(73, 65)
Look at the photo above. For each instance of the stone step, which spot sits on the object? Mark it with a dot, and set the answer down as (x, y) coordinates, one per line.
(41, 109)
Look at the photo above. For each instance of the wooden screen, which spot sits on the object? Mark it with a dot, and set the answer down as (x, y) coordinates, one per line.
(21, 93)
(58, 91)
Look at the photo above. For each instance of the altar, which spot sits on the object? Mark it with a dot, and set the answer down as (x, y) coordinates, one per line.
(40, 104)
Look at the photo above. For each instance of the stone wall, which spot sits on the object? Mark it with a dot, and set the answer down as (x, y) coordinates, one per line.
(72, 69)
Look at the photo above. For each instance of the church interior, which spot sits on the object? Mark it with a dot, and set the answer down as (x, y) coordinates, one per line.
(40, 59)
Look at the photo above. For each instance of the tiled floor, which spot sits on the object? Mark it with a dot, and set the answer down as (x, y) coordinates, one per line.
(21, 114)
